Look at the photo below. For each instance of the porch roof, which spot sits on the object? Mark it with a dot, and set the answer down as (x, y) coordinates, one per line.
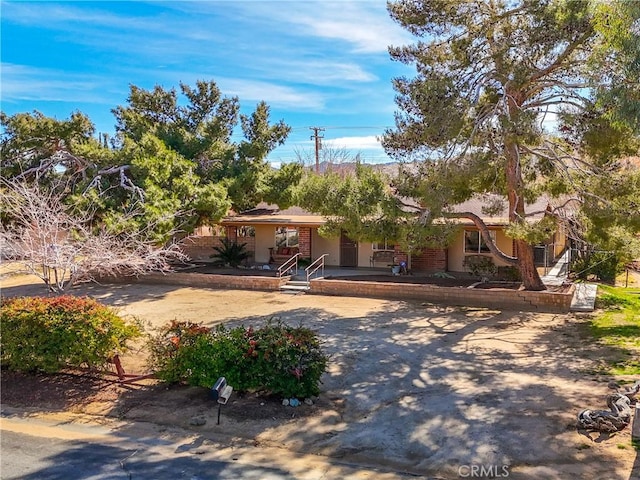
(297, 220)
(271, 215)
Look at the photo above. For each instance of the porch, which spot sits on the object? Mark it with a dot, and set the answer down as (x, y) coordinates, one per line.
(259, 270)
(275, 235)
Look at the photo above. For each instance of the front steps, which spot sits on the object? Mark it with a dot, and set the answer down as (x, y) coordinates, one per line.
(295, 285)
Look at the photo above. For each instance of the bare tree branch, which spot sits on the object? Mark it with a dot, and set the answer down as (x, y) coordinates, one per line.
(125, 182)
(62, 248)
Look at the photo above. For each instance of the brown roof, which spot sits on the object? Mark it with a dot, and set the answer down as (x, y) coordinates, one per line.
(265, 214)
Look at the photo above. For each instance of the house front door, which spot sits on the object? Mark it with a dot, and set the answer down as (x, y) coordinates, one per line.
(348, 252)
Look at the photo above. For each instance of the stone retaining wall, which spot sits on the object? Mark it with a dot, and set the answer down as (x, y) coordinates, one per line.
(503, 299)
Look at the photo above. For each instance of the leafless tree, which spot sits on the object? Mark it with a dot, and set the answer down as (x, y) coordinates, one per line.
(42, 234)
(330, 157)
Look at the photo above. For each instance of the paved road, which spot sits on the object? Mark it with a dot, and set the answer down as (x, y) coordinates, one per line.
(61, 448)
(30, 457)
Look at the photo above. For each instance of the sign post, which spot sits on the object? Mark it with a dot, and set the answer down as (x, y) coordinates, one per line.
(220, 392)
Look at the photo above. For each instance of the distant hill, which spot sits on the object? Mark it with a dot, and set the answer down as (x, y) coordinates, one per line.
(391, 168)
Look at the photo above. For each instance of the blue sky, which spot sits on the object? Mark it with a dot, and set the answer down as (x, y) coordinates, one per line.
(316, 63)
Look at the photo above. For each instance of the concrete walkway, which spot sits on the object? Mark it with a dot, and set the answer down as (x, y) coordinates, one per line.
(558, 274)
(584, 298)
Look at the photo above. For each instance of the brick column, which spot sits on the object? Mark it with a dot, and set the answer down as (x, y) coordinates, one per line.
(441, 260)
(400, 256)
(304, 241)
(232, 233)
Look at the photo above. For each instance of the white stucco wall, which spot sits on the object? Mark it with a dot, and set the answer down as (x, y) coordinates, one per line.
(321, 245)
(365, 250)
(265, 238)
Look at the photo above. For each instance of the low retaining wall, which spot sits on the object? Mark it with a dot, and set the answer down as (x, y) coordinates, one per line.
(500, 298)
(245, 282)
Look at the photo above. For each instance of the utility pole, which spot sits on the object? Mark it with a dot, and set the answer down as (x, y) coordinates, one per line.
(317, 137)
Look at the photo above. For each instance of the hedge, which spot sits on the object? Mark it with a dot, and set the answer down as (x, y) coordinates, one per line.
(49, 334)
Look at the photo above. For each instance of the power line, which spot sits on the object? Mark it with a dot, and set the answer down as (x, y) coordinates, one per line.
(359, 127)
(346, 127)
(331, 127)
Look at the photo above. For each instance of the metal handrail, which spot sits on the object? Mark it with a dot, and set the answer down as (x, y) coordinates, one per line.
(291, 264)
(320, 262)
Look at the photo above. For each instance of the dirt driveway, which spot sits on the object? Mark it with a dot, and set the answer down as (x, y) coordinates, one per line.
(413, 387)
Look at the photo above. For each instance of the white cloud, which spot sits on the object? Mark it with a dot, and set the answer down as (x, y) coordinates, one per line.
(369, 142)
(373, 36)
(275, 95)
(21, 82)
(367, 26)
(157, 34)
(321, 73)
(313, 61)
(271, 40)
(31, 13)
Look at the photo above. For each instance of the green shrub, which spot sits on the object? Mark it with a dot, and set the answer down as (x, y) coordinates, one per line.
(600, 265)
(480, 265)
(230, 253)
(304, 262)
(508, 274)
(50, 334)
(277, 358)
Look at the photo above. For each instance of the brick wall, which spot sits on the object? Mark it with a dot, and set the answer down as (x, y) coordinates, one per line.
(244, 282)
(304, 241)
(503, 299)
(200, 248)
(430, 260)
(232, 233)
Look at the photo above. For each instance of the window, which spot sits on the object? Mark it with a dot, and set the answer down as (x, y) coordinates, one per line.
(246, 231)
(386, 245)
(474, 243)
(286, 237)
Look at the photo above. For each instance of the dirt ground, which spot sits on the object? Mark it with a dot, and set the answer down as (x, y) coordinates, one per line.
(411, 386)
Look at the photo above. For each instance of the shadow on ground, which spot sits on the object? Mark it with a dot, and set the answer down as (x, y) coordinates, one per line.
(415, 387)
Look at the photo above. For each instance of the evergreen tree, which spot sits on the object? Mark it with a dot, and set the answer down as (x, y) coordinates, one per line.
(488, 76)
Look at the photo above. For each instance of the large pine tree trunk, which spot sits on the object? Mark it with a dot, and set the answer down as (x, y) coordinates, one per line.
(528, 271)
(526, 264)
